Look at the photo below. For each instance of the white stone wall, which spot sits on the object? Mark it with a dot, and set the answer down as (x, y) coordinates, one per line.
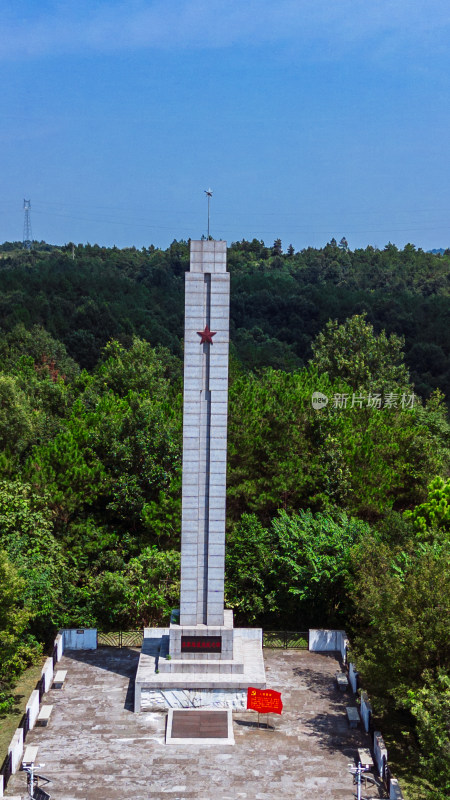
(16, 749)
(343, 645)
(395, 793)
(353, 677)
(59, 644)
(379, 751)
(33, 707)
(47, 673)
(366, 711)
(80, 639)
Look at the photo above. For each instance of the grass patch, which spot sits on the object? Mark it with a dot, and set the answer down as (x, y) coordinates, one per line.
(21, 692)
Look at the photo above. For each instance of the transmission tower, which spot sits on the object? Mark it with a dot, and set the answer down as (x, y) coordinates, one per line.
(27, 235)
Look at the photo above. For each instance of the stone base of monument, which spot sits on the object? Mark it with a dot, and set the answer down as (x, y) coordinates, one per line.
(199, 666)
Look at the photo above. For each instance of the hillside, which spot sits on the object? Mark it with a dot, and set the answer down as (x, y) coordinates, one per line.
(279, 302)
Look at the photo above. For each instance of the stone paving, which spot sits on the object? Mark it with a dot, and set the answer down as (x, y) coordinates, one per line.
(96, 748)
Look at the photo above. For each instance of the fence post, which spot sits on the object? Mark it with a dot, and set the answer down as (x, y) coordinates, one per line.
(386, 775)
(41, 687)
(6, 771)
(25, 723)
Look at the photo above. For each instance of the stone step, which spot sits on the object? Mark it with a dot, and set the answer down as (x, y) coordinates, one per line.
(200, 666)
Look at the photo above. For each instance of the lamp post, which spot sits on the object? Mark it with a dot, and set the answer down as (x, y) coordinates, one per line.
(357, 773)
(31, 778)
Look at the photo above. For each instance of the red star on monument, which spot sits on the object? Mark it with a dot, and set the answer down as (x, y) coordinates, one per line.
(206, 335)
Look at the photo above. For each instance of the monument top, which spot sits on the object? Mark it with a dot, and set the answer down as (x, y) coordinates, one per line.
(207, 255)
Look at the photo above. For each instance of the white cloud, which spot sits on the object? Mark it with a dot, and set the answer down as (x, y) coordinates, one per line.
(56, 28)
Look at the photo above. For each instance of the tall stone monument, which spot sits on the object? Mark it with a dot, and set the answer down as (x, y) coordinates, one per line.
(205, 408)
(202, 660)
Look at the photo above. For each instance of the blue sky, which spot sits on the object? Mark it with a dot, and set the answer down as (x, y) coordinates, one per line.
(308, 118)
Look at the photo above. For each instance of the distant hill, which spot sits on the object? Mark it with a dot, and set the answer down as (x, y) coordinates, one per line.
(280, 300)
(437, 251)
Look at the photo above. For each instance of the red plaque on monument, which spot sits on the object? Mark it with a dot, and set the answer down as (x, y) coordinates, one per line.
(201, 644)
(266, 701)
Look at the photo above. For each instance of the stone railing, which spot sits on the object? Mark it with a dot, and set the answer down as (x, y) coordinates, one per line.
(321, 640)
(81, 639)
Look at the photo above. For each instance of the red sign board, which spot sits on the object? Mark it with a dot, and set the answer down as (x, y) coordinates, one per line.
(266, 701)
(201, 644)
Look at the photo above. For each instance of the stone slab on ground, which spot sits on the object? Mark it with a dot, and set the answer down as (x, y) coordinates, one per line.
(96, 748)
(199, 727)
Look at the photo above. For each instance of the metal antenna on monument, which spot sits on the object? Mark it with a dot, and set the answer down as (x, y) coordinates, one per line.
(209, 194)
(27, 235)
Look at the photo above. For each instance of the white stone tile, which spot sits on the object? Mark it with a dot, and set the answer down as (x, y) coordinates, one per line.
(219, 411)
(208, 245)
(192, 411)
(215, 578)
(217, 550)
(217, 444)
(194, 314)
(191, 496)
(189, 584)
(193, 371)
(219, 319)
(219, 288)
(192, 396)
(188, 562)
(190, 528)
(215, 586)
(195, 287)
(219, 346)
(189, 514)
(217, 539)
(188, 551)
(220, 298)
(190, 449)
(196, 385)
(190, 479)
(216, 521)
(218, 429)
(218, 472)
(220, 395)
(190, 432)
(195, 307)
(220, 278)
(218, 367)
(190, 460)
(195, 246)
(193, 352)
(190, 419)
(217, 490)
(190, 501)
(218, 384)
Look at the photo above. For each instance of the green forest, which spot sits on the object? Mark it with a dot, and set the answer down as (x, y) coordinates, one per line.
(337, 516)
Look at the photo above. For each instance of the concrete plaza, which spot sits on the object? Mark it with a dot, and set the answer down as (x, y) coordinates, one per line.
(96, 748)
